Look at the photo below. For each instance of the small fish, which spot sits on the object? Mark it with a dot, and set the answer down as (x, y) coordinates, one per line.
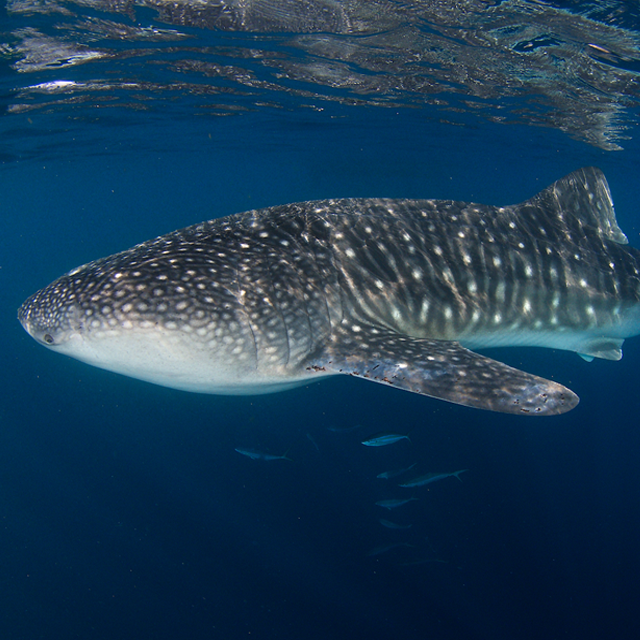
(260, 455)
(392, 503)
(383, 439)
(393, 525)
(313, 442)
(385, 475)
(376, 551)
(431, 477)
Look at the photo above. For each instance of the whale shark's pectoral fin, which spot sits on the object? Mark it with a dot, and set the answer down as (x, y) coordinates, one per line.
(440, 369)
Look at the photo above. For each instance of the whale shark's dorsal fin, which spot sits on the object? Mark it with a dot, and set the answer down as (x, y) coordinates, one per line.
(578, 202)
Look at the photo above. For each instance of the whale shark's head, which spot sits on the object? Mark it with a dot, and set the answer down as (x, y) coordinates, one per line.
(52, 316)
(162, 320)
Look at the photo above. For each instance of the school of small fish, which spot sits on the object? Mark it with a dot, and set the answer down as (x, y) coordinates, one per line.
(400, 551)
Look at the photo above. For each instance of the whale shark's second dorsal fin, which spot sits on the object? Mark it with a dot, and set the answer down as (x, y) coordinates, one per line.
(579, 202)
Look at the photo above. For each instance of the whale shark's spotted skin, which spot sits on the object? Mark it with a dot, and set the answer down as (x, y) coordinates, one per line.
(395, 291)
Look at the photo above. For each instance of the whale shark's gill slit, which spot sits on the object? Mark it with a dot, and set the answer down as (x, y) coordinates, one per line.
(324, 271)
(306, 299)
(241, 304)
(276, 303)
(253, 335)
(340, 285)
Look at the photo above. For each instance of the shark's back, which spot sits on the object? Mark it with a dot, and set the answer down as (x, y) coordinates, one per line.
(480, 274)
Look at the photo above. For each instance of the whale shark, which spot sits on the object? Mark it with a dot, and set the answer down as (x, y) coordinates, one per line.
(395, 291)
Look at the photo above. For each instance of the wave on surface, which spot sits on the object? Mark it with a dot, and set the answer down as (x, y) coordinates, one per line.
(568, 65)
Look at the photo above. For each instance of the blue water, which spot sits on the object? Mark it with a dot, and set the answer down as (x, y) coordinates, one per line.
(125, 511)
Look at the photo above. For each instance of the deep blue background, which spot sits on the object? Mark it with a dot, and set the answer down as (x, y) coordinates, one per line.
(125, 511)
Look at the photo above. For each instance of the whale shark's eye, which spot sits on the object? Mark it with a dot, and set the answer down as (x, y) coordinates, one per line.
(48, 338)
